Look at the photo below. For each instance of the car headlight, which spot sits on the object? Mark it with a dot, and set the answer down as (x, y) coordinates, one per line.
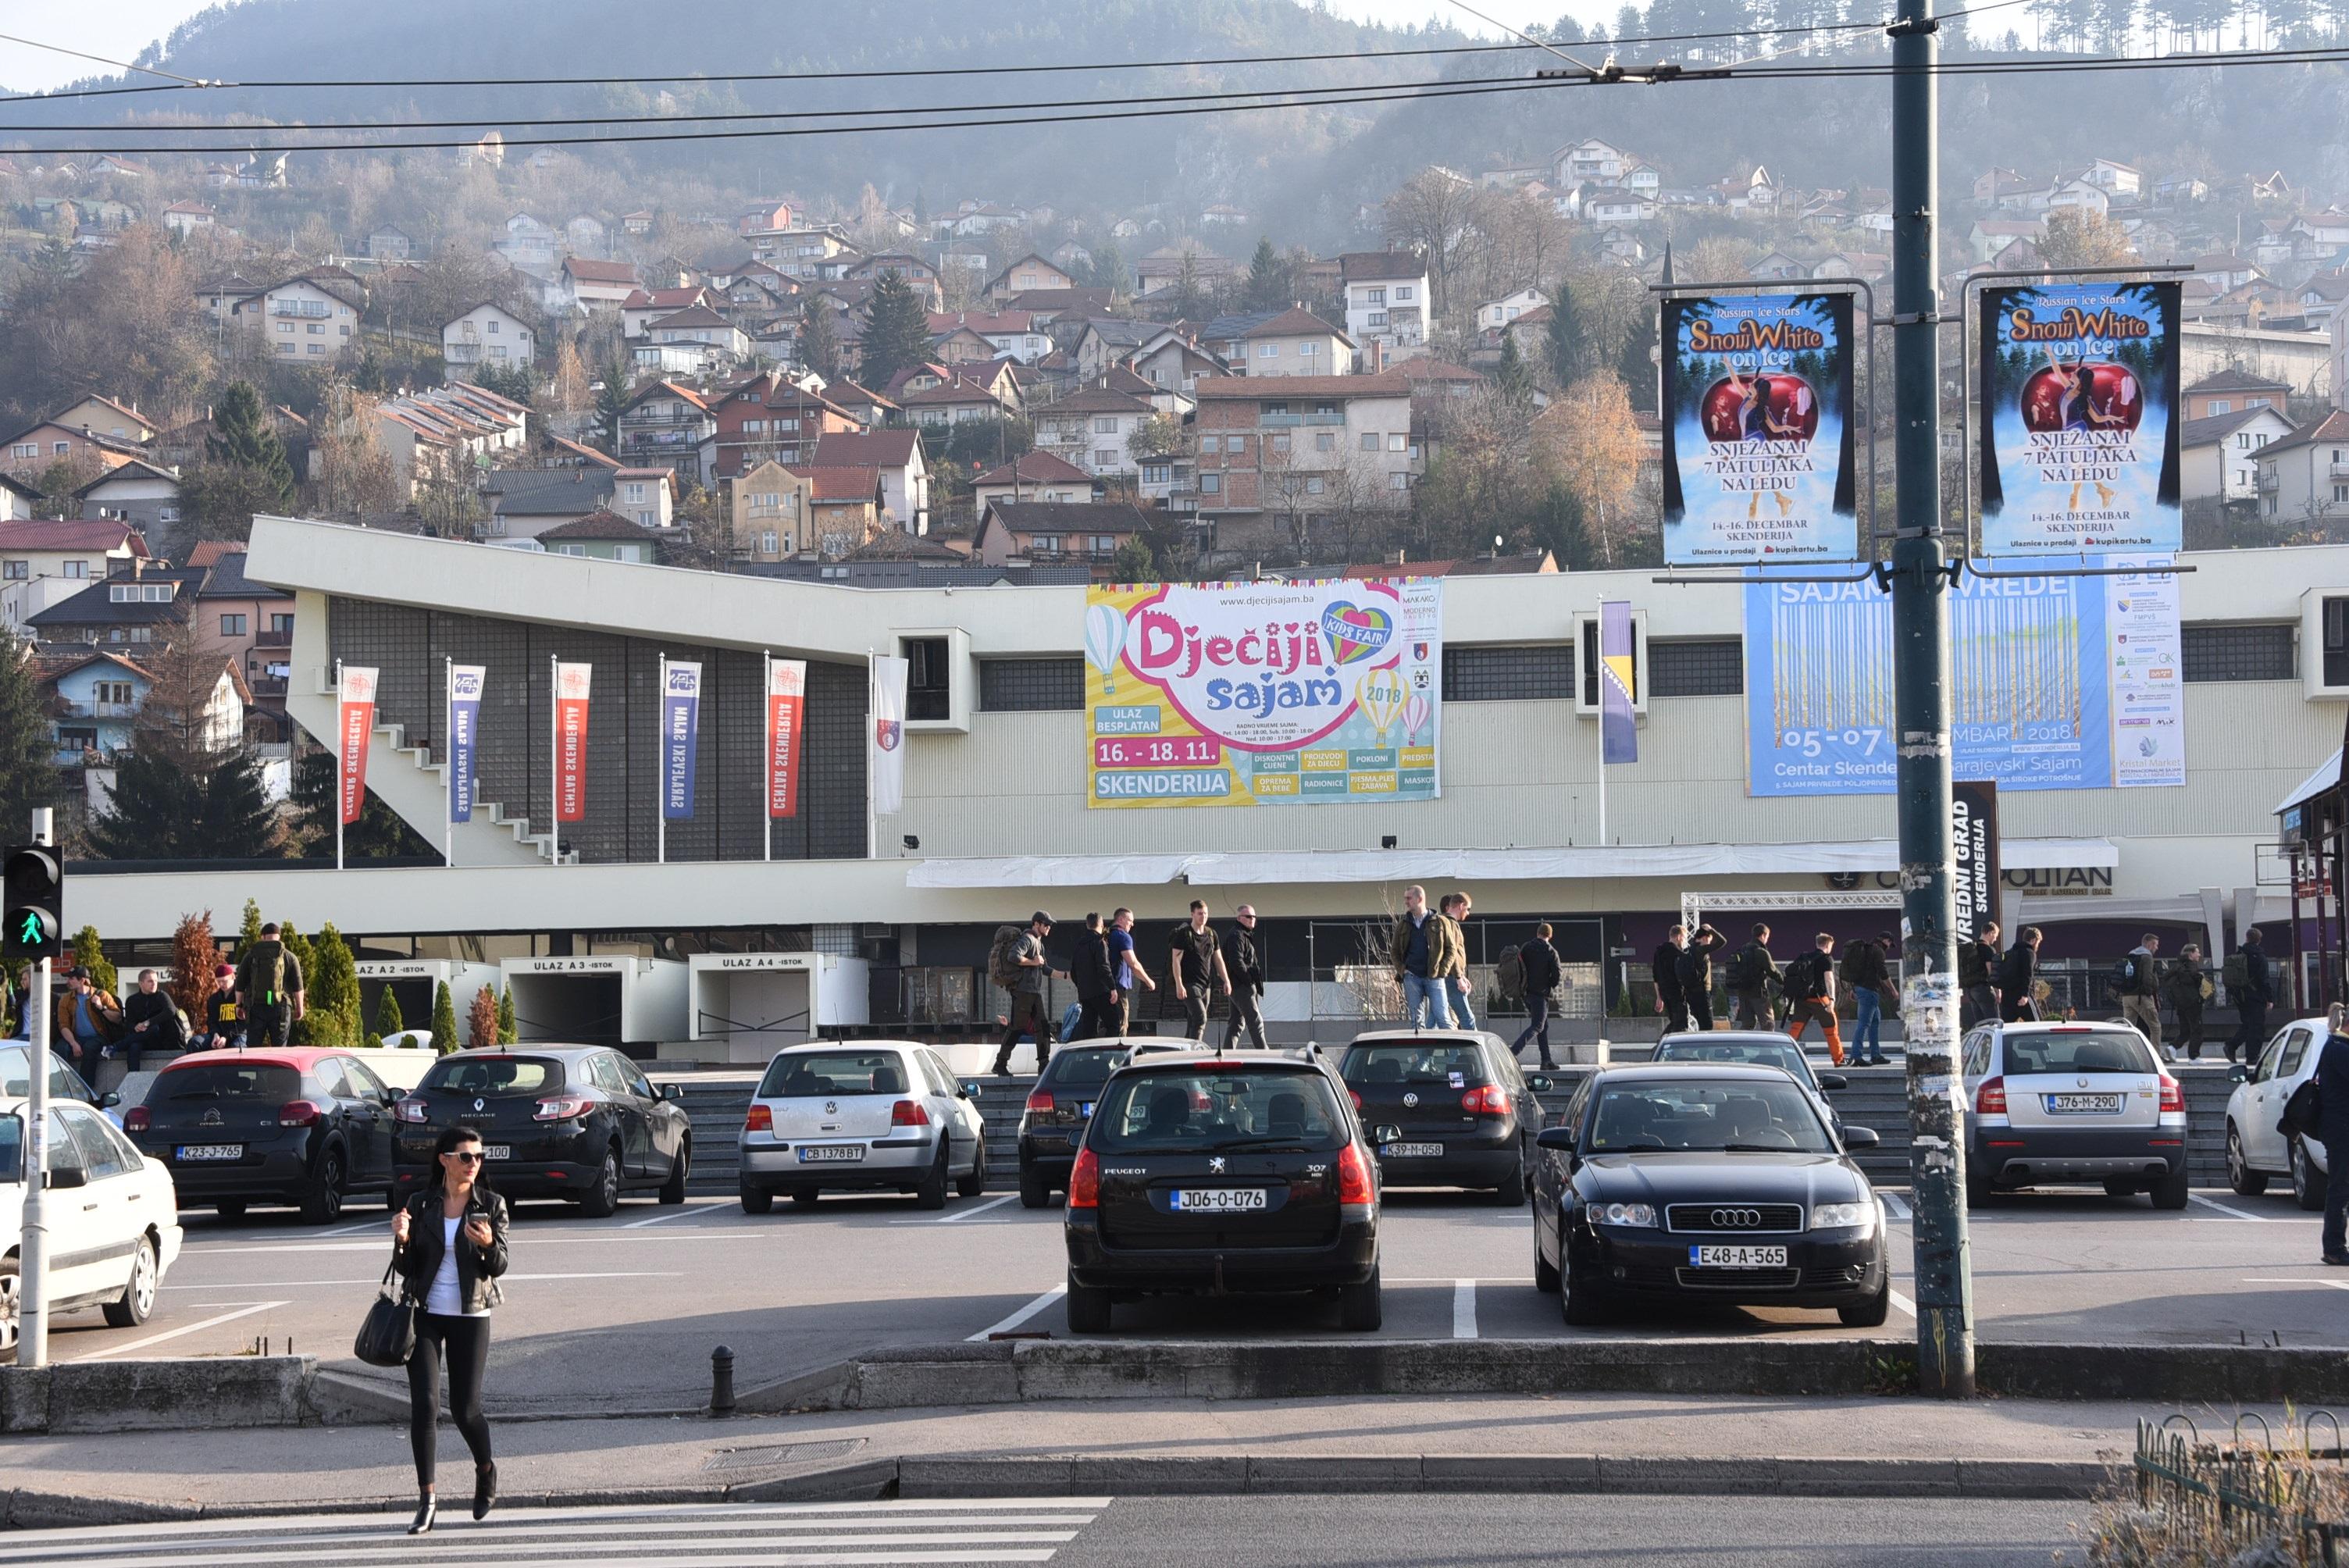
(1623, 1214)
(1844, 1217)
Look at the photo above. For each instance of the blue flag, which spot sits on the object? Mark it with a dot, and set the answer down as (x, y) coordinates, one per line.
(465, 737)
(1619, 726)
(680, 739)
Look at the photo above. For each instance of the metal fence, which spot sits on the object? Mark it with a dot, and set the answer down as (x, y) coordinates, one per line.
(2234, 1496)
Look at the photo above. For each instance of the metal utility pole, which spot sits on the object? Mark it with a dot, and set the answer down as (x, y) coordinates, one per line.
(1920, 583)
(33, 1259)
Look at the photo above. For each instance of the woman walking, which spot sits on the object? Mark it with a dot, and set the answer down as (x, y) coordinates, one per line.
(449, 1247)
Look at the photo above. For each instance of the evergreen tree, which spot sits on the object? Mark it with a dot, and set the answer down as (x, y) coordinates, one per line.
(897, 330)
(506, 1036)
(1514, 376)
(1563, 350)
(243, 437)
(1269, 285)
(388, 1021)
(613, 398)
(161, 809)
(28, 770)
(333, 995)
(1108, 267)
(90, 954)
(818, 345)
(380, 833)
(444, 1019)
(249, 931)
(1190, 297)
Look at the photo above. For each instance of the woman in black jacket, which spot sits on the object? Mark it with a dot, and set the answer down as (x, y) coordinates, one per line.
(449, 1246)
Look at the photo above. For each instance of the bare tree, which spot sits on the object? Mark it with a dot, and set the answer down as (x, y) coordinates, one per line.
(2076, 237)
(1432, 214)
(353, 472)
(1595, 442)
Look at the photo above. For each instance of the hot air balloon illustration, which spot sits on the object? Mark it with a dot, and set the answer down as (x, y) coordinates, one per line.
(1380, 695)
(1105, 640)
(1416, 715)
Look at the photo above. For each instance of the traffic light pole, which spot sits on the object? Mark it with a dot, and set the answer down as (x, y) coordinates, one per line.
(33, 1255)
(1920, 583)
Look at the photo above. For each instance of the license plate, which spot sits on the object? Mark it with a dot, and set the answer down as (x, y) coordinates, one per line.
(1086, 1108)
(2081, 1104)
(498, 1151)
(818, 1153)
(212, 1152)
(1738, 1257)
(1219, 1200)
(1411, 1151)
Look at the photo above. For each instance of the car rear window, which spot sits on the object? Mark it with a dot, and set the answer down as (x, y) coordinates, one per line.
(1753, 1052)
(2088, 1051)
(808, 1073)
(493, 1075)
(273, 1082)
(1455, 1064)
(1190, 1108)
(1740, 1114)
(1082, 1069)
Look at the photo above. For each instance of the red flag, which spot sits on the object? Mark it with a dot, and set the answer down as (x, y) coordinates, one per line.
(786, 691)
(570, 742)
(356, 701)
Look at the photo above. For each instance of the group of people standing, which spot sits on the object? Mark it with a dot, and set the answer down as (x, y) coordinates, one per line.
(1107, 969)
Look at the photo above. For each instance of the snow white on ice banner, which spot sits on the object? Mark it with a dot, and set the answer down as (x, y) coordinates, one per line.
(1758, 430)
(2079, 439)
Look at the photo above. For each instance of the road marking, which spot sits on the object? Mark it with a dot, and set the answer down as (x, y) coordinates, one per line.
(322, 1283)
(1022, 1315)
(1902, 1304)
(2227, 1210)
(175, 1333)
(2335, 1283)
(1008, 1546)
(683, 1213)
(964, 1214)
(688, 1515)
(1464, 1309)
(383, 1224)
(1897, 1205)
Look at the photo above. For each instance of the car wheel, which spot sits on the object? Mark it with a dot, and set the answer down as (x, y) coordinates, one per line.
(323, 1201)
(2119, 1187)
(1358, 1308)
(1545, 1271)
(138, 1303)
(11, 1305)
(1583, 1303)
(230, 1209)
(2246, 1182)
(1511, 1193)
(806, 1197)
(2308, 1183)
(1035, 1193)
(972, 1185)
(932, 1192)
(1871, 1312)
(758, 1201)
(672, 1190)
(603, 1198)
(2169, 1191)
(1088, 1309)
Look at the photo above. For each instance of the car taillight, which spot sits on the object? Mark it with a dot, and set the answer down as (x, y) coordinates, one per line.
(761, 1120)
(409, 1110)
(1358, 1097)
(299, 1113)
(2173, 1096)
(561, 1107)
(1041, 1103)
(1354, 1177)
(136, 1120)
(1489, 1101)
(1989, 1099)
(1084, 1182)
(908, 1113)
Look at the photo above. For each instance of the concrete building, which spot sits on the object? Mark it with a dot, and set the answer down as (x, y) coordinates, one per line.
(485, 334)
(1386, 301)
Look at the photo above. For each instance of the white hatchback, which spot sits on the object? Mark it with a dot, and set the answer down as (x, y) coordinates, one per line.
(113, 1218)
(860, 1116)
(2257, 1148)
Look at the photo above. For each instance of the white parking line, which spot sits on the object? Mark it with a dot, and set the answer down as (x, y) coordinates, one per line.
(1902, 1304)
(2226, 1209)
(175, 1333)
(961, 1214)
(1464, 1309)
(690, 1213)
(2335, 1283)
(317, 1284)
(1896, 1205)
(1020, 1317)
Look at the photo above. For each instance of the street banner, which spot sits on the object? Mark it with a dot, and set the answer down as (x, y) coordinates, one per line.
(1618, 726)
(786, 694)
(1265, 693)
(888, 736)
(2055, 682)
(571, 741)
(465, 681)
(1757, 416)
(680, 717)
(1973, 836)
(354, 703)
(2078, 451)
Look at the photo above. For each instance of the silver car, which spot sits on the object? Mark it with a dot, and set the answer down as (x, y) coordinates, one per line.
(860, 1116)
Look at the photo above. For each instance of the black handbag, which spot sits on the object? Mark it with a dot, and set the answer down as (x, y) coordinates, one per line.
(388, 1334)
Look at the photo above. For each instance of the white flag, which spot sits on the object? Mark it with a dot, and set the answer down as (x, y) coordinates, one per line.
(888, 705)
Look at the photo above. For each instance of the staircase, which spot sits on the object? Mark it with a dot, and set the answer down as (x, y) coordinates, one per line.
(420, 793)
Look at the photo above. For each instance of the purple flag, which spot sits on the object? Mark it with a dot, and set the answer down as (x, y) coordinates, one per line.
(1619, 729)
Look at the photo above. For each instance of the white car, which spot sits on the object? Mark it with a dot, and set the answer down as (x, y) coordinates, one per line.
(860, 1116)
(112, 1213)
(2256, 1150)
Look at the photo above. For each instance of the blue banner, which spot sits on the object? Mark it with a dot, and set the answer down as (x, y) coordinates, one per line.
(680, 740)
(465, 737)
(1618, 724)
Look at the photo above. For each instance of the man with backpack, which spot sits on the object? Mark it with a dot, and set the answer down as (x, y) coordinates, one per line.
(1810, 984)
(1751, 974)
(1020, 967)
(2137, 979)
(1978, 976)
(1244, 969)
(1538, 974)
(2018, 978)
(1696, 975)
(268, 989)
(2183, 984)
(1665, 966)
(2250, 995)
(1865, 971)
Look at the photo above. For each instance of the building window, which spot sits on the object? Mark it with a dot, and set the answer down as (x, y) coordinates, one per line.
(1697, 666)
(26, 450)
(1403, 293)
(232, 626)
(1280, 442)
(283, 623)
(1103, 458)
(1211, 484)
(61, 447)
(18, 570)
(926, 679)
(1399, 480)
(1306, 350)
(318, 349)
(317, 329)
(493, 326)
(1369, 441)
(1374, 296)
(1513, 673)
(1325, 441)
(117, 692)
(1268, 351)
(1031, 686)
(769, 544)
(1396, 443)
(2221, 406)
(1105, 426)
(76, 569)
(1313, 485)
(2213, 650)
(285, 327)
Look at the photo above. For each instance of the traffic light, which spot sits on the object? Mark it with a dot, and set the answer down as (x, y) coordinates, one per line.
(35, 913)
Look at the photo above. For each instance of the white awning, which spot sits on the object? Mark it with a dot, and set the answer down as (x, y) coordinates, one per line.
(2316, 783)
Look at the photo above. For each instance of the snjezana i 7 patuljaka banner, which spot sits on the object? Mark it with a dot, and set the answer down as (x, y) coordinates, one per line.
(1757, 413)
(2078, 449)
(1246, 694)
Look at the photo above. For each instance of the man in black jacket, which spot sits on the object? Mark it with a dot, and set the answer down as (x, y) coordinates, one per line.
(2017, 973)
(1751, 974)
(2251, 999)
(150, 1021)
(1696, 976)
(2332, 1131)
(1865, 972)
(1537, 962)
(1089, 969)
(1978, 963)
(1809, 983)
(1665, 966)
(1243, 972)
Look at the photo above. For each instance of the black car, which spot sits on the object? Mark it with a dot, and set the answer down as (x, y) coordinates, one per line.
(1447, 1109)
(304, 1125)
(1054, 1120)
(580, 1122)
(1204, 1174)
(1711, 1182)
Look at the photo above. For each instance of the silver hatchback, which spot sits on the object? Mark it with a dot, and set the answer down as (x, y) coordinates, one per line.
(860, 1116)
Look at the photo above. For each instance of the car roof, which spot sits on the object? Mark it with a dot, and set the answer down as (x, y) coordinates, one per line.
(2083, 1026)
(807, 1046)
(1730, 1037)
(301, 1057)
(565, 1053)
(1203, 1056)
(1672, 1072)
(1411, 1037)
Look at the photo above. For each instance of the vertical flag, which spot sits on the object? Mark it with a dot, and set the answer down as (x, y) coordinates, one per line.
(680, 739)
(888, 707)
(1619, 727)
(786, 691)
(570, 742)
(356, 715)
(465, 683)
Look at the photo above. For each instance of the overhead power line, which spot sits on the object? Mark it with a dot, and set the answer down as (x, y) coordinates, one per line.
(174, 77)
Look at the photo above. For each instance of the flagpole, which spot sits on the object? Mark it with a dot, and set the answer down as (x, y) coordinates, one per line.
(342, 758)
(872, 715)
(660, 818)
(554, 758)
(766, 807)
(449, 750)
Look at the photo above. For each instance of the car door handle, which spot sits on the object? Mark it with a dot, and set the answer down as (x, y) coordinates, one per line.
(87, 1207)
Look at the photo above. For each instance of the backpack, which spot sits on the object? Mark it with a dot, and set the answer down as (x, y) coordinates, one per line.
(1807, 976)
(1511, 973)
(2302, 1112)
(272, 994)
(1745, 972)
(2123, 979)
(1003, 965)
(2238, 973)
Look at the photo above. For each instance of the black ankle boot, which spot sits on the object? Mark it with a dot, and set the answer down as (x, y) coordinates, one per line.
(426, 1508)
(485, 1489)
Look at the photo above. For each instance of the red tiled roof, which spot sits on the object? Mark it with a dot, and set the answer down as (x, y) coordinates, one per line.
(1035, 468)
(100, 533)
(839, 481)
(589, 272)
(876, 449)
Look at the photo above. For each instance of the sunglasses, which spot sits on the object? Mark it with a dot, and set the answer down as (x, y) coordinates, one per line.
(475, 1158)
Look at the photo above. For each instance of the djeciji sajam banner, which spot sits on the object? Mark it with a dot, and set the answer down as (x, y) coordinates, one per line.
(1757, 431)
(1246, 694)
(2079, 430)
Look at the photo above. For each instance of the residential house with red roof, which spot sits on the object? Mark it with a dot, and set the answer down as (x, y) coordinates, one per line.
(904, 475)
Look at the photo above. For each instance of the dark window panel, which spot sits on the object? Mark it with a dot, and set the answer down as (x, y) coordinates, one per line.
(2214, 651)
(1030, 685)
(1697, 666)
(1515, 673)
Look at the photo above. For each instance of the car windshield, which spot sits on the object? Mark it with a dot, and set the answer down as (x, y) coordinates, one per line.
(1736, 1114)
(1078, 1068)
(2083, 1051)
(1200, 1109)
(1453, 1063)
(16, 1075)
(493, 1075)
(1782, 1054)
(273, 1083)
(805, 1074)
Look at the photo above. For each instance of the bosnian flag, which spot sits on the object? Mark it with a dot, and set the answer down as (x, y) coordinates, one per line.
(1619, 727)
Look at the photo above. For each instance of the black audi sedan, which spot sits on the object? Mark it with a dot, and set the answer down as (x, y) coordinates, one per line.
(1202, 1174)
(1053, 1122)
(1447, 1109)
(1705, 1182)
(580, 1122)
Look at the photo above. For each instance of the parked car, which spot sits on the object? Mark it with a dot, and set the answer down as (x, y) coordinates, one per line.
(65, 1083)
(1757, 1048)
(1053, 1122)
(2071, 1104)
(112, 1217)
(2257, 1148)
(581, 1122)
(1705, 1182)
(1447, 1109)
(304, 1125)
(866, 1116)
(1203, 1173)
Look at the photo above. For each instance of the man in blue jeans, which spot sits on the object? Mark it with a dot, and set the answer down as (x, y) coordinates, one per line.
(1455, 982)
(1423, 949)
(1865, 971)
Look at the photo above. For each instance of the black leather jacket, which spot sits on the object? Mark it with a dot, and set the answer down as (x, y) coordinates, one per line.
(477, 1267)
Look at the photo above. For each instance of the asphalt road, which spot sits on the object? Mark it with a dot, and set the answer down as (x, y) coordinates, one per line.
(622, 1313)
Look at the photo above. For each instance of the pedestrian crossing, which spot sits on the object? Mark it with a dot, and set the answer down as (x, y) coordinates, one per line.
(697, 1535)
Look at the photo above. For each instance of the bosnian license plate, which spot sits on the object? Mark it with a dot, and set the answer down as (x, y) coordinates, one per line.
(1411, 1151)
(498, 1151)
(2078, 1104)
(1738, 1257)
(1217, 1200)
(1085, 1109)
(212, 1152)
(815, 1153)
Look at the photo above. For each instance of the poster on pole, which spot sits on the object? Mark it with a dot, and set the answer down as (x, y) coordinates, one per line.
(1973, 841)
(465, 683)
(1757, 428)
(571, 741)
(1252, 693)
(681, 721)
(355, 711)
(2149, 679)
(2078, 449)
(786, 693)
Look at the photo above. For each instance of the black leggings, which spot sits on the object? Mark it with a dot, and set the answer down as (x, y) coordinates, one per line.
(466, 1342)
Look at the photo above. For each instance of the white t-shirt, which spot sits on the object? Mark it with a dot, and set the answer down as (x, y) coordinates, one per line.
(445, 1299)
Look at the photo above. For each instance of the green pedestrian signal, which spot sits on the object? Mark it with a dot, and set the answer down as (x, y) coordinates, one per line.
(34, 917)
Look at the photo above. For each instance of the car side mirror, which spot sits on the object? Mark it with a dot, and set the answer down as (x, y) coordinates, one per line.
(1538, 1082)
(108, 1100)
(1860, 1137)
(67, 1176)
(670, 1091)
(970, 1091)
(1831, 1082)
(1560, 1138)
(2240, 1073)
